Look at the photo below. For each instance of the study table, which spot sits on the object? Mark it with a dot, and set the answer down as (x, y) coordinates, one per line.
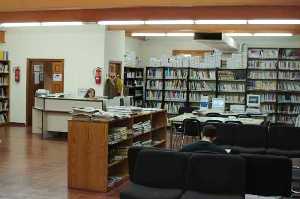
(180, 118)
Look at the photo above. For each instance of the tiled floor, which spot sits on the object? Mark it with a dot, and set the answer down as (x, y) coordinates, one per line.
(31, 168)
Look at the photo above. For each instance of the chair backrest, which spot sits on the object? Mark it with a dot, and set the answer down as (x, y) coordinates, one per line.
(213, 122)
(234, 122)
(161, 169)
(219, 174)
(251, 136)
(283, 137)
(225, 133)
(214, 115)
(186, 109)
(268, 175)
(243, 116)
(192, 127)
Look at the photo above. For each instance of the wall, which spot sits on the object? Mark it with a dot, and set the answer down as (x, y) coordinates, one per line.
(133, 45)
(81, 47)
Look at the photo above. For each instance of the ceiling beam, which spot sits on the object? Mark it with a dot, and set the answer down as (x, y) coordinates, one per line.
(202, 12)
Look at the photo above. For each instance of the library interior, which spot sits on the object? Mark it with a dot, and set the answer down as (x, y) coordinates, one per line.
(149, 99)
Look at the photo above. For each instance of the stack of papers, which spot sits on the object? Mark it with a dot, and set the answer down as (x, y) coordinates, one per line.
(141, 127)
(124, 111)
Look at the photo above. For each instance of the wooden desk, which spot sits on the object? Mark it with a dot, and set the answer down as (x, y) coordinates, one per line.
(89, 149)
(179, 120)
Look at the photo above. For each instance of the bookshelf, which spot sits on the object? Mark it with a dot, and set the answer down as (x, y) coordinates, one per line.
(97, 159)
(134, 83)
(154, 87)
(4, 88)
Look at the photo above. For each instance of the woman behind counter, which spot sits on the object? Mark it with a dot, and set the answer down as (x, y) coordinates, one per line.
(90, 93)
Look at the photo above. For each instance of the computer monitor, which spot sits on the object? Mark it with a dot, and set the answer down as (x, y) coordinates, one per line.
(204, 102)
(218, 104)
(253, 101)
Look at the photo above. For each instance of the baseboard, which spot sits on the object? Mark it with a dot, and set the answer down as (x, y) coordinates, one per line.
(17, 124)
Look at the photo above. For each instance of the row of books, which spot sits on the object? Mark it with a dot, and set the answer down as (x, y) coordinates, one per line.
(3, 80)
(141, 127)
(289, 109)
(173, 107)
(289, 75)
(202, 86)
(136, 74)
(3, 92)
(236, 60)
(153, 95)
(155, 72)
(175, 95)
(289, 86)
(289, 65)
(232, 87)
(3, 105)
(288, 98)
(210, 59)
(176, 84)
(234, 99)
(262, 75)
(117, 134)
(289, 119)
(176, 73)
(152, 104)
(268, 108)
(3, 55)
(202, 75)
(260, 53)
(290, 53)
(4, 68)
(117, 154)
(154, 84)
(260, 64)
(232, 75)
(133, 82)
(196, 96)
(268, 97)
(261, 85)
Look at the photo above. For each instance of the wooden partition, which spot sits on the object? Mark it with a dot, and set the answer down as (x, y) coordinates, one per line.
(89, 148)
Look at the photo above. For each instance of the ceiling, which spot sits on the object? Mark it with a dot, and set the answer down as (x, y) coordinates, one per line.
(34, 5)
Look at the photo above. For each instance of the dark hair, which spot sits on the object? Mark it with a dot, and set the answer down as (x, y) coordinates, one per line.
(209, 131)
(88, 92)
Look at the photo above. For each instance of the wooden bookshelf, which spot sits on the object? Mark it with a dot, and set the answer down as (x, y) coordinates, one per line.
(134, 84)
(92, 153)
(4, 91)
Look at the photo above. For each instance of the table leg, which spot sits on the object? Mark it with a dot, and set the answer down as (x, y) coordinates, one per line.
(172, 135)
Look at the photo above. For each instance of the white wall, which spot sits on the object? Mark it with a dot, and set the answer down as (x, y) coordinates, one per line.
(82, 49)
(133, 45)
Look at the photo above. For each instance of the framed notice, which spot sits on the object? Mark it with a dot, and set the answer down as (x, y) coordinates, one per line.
(57, 77)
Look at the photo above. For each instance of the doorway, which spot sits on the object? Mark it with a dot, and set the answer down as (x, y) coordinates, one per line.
(43, 74)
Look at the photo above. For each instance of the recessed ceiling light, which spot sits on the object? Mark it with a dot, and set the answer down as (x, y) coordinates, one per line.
(112, 23)
(273, 21)
(30, 24)
(216, 22)
(238, 34)
(169, 22)
(273, 34)
(180, 34)
(71, 23)
(148, 34)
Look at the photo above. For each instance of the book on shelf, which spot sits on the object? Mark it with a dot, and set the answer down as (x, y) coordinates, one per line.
(289, 75)
(268, 97)
(3, 93)
(289, 65)
(154, 84)
(173, 107)
(152, 104)
(233, 99)
(289, 86)
(289, 109)
(231, 87)
(261, 85)
(4, 68)
(202, 86)
(268, 108)
(175, 73)
(3, 55)
(3, 80)
(269, 75)
(175, 95)
(176, 84)
(155, 72)
(263, 53)
(290, 53)
(289, 98)
(231, 75)
(202, 75)
(153, 95)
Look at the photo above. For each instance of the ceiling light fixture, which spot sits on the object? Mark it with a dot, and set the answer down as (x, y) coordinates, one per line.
(30, 24)
(139, 34)
(169, 22)
(273, 21)
(273, 34)
(180, 34)
(238, 34)
(117, 23)
(71, 23)
(220, 22)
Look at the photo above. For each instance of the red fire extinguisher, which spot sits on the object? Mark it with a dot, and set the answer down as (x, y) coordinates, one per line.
(17, 74)
(98, 74)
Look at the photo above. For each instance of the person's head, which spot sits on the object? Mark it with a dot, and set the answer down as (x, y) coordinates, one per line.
(209, 132)
(90, 93)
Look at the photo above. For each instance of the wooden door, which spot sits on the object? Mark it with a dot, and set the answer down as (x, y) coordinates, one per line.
(54, 81)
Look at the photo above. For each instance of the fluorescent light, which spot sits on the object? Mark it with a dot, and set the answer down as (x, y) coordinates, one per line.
(180, 34)
(170, 22)
(238, 34)
(72, 23)
(272, 34)
(31, 24)
(148, 34)
(220, 22)
(273, 21)
(111, 23)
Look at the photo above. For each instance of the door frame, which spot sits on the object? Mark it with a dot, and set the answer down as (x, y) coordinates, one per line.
(29, 81)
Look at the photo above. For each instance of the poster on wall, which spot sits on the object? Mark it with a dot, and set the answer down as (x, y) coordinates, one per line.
(57, 77)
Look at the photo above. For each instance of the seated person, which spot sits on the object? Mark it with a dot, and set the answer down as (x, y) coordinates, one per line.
(90, 93)
(208, 133)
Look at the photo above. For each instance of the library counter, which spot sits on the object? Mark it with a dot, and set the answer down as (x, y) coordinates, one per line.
(51, 114)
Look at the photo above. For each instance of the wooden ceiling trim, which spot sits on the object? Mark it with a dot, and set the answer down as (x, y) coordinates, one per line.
(220, 12)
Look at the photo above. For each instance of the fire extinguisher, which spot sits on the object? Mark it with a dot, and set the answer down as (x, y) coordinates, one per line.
(98, 73)
(17, 74)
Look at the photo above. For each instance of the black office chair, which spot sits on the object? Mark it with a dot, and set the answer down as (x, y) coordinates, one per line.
(243, 116)
(296, 182)
(214, 115)
(192, 128)
(186, 109)
(234, 122)
(213, 122)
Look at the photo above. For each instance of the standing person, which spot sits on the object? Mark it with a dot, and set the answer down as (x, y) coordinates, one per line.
(209, 134)
(110, 89)
(119, 85)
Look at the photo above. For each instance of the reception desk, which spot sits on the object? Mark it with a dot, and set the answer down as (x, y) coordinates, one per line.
(51, 114)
